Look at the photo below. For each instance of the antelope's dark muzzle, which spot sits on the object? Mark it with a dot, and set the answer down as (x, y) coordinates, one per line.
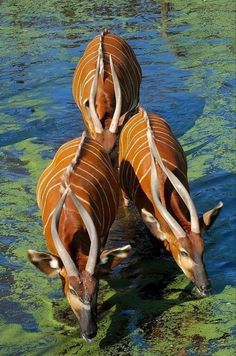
(205, 290)
(88, 326)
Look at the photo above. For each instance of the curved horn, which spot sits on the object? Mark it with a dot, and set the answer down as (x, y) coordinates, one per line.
(180, 188)
(116, 115)
(97, 123)
(175, 227)
(88, 222)
(62, 252)
(182, 191)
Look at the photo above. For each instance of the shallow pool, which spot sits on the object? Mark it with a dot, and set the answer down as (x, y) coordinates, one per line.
(146, 306)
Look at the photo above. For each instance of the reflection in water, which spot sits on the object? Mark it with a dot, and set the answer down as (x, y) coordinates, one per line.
(186, 53)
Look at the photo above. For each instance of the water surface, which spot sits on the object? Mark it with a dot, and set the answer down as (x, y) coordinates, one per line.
(146, 306)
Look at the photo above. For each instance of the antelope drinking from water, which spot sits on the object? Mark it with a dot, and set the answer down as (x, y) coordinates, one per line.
(153, 174)
(78, 198)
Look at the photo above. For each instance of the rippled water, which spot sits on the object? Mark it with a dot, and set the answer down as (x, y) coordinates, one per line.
(146, 306)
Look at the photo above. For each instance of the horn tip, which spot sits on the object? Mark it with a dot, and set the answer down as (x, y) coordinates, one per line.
(105, 31)
(220, 204)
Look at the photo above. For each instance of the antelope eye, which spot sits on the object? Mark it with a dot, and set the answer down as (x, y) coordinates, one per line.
(184, 253)
(73, 291)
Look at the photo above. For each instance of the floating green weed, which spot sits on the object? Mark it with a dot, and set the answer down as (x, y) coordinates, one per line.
(147, 308)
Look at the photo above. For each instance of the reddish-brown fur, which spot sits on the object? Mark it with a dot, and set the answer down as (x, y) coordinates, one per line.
(129, 75)
(80, 171)
(92, 172)
(135, 156)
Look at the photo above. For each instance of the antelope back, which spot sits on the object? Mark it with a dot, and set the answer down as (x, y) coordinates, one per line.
(153, 173)
(92, 180)
(127, 70)
(135, 159)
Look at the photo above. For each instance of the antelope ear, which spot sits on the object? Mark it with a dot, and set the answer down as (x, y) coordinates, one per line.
(123, 118)
(46, 262)
(152, 224)
(111, 258)
(207, 219)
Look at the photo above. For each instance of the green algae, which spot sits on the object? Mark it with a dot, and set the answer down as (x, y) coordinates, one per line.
(120, 299)
(7, 122)
(214, 152)
(54, 329)
(31, 154)
(146, 308)
(203, 326)
(16, 202)
(207, 42)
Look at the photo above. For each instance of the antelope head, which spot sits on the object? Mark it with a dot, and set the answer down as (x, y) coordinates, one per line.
(184, 241)
(187, 249)
(80, 286)
(188, 252)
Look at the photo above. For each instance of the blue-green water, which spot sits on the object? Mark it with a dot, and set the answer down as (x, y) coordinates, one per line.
(146, 306)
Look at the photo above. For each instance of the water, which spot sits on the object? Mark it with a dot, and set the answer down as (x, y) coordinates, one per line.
(146, 306)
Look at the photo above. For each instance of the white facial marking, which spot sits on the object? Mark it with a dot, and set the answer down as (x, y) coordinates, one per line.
(186, 264)
(76, 302)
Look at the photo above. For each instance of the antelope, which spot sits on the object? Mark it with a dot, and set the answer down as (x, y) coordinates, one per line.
(78, 198)
(153, 174)
(106, 86)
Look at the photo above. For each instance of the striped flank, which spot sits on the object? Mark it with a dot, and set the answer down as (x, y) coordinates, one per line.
(135, 156)
(126, 67)
(90, 176)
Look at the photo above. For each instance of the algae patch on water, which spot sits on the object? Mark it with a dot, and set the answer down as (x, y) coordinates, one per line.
(202, 326)
(147, 307)
(207, 43)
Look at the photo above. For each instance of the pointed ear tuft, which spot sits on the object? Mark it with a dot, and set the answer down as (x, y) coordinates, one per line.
(46, 262)
(209, 216)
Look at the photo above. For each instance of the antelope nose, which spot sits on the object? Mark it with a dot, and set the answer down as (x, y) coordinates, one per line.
(89, 336)
(205, 290)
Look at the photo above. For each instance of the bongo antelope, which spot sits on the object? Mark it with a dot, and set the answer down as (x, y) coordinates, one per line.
(78, 198)
(153, 174)
(106, 86)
